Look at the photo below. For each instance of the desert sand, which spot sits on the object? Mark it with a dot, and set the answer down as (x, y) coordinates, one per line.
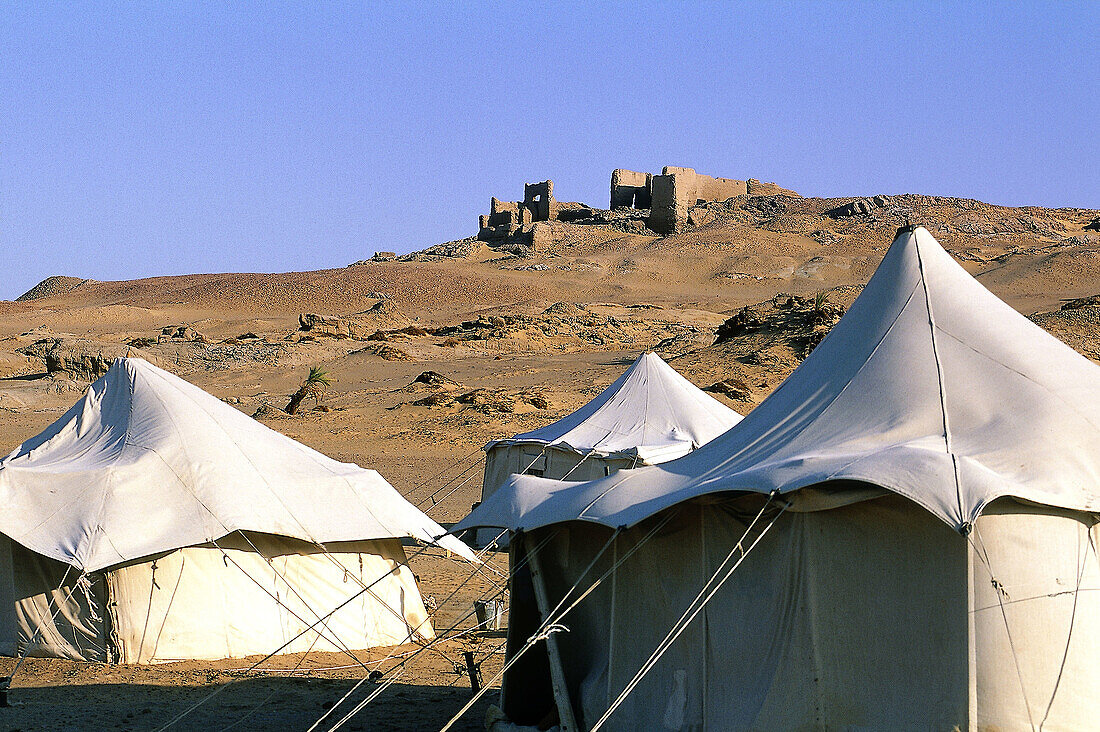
(520, 341)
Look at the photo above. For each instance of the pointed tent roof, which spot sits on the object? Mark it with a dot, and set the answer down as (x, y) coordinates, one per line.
(146, 462)
(930, 386)
(650, 412)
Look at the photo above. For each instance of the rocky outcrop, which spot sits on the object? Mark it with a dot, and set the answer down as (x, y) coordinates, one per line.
(448, 250)
(1076, 323)
(78, 358)
(386, 352)
(267, 410)
(434, 378)
(486, 401)
(333, 326)
(359, 326)
(802, 322)
(182, 333)
(859, 207)
(733, 388)
(1092, 301)
(565, 309)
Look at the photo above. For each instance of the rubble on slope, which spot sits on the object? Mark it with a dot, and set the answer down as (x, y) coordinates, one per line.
(1076, 323)
(56, 285)
(484, 400)
(802, 322)
(459, 249)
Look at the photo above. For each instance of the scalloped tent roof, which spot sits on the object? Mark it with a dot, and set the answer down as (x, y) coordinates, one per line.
(930, 386)
(650, 412)
(146, 462)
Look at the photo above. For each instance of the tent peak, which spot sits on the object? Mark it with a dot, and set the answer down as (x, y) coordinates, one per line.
(649, 408)
(146, 462)
(929, 386)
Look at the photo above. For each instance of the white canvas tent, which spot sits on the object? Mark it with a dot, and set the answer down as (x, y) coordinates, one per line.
(153, 522)
(928, 480)
(647, 416)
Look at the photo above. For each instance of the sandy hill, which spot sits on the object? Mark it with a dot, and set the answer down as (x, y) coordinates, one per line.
(731, 253)
(437, 352)
(50, 286)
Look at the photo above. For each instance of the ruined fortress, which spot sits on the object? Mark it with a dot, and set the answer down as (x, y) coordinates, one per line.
(668, 197)
(517, 222)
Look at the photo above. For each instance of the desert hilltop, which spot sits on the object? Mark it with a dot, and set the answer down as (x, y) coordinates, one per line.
(411, 364)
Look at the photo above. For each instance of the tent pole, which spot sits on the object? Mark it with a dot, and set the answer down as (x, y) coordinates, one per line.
(513, 561)
(971, 638)
(557, 673)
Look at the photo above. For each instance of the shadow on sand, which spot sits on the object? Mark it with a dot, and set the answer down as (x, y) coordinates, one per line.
(262, 704)
(25, 377)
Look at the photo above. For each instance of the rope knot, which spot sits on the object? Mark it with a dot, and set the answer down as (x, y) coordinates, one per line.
(550, 629)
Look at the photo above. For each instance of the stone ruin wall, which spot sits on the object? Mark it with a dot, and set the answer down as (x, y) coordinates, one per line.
(668, 197)
(718, 189)
(515, 220)
(676, 190)
(521, 222)
(630, 189)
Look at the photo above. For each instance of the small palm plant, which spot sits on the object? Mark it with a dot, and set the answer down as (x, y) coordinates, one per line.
(821, 301)
(314, 386)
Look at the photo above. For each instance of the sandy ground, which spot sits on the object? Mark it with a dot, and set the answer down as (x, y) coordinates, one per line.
(636, 293)
(430, 681)
(65, 695)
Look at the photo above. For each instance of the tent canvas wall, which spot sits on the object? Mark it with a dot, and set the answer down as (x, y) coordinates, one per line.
(937, 562)
(210, 602)
(154, 522)
(870, 614)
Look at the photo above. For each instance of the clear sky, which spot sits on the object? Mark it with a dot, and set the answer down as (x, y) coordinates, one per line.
(151, 138)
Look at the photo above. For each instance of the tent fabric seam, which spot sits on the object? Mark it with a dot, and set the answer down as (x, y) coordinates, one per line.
(1070, 405)
(940, 377)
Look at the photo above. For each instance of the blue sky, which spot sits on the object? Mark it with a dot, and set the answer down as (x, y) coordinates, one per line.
(150, 138)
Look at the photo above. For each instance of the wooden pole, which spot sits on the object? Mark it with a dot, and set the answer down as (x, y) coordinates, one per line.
(557, 674)
(472, 671)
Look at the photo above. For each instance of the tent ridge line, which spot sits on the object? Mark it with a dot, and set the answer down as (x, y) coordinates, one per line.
(274, 494)
(668, 399)
(307, 452)
(598, 498)
(841, 474)
(932, 327)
